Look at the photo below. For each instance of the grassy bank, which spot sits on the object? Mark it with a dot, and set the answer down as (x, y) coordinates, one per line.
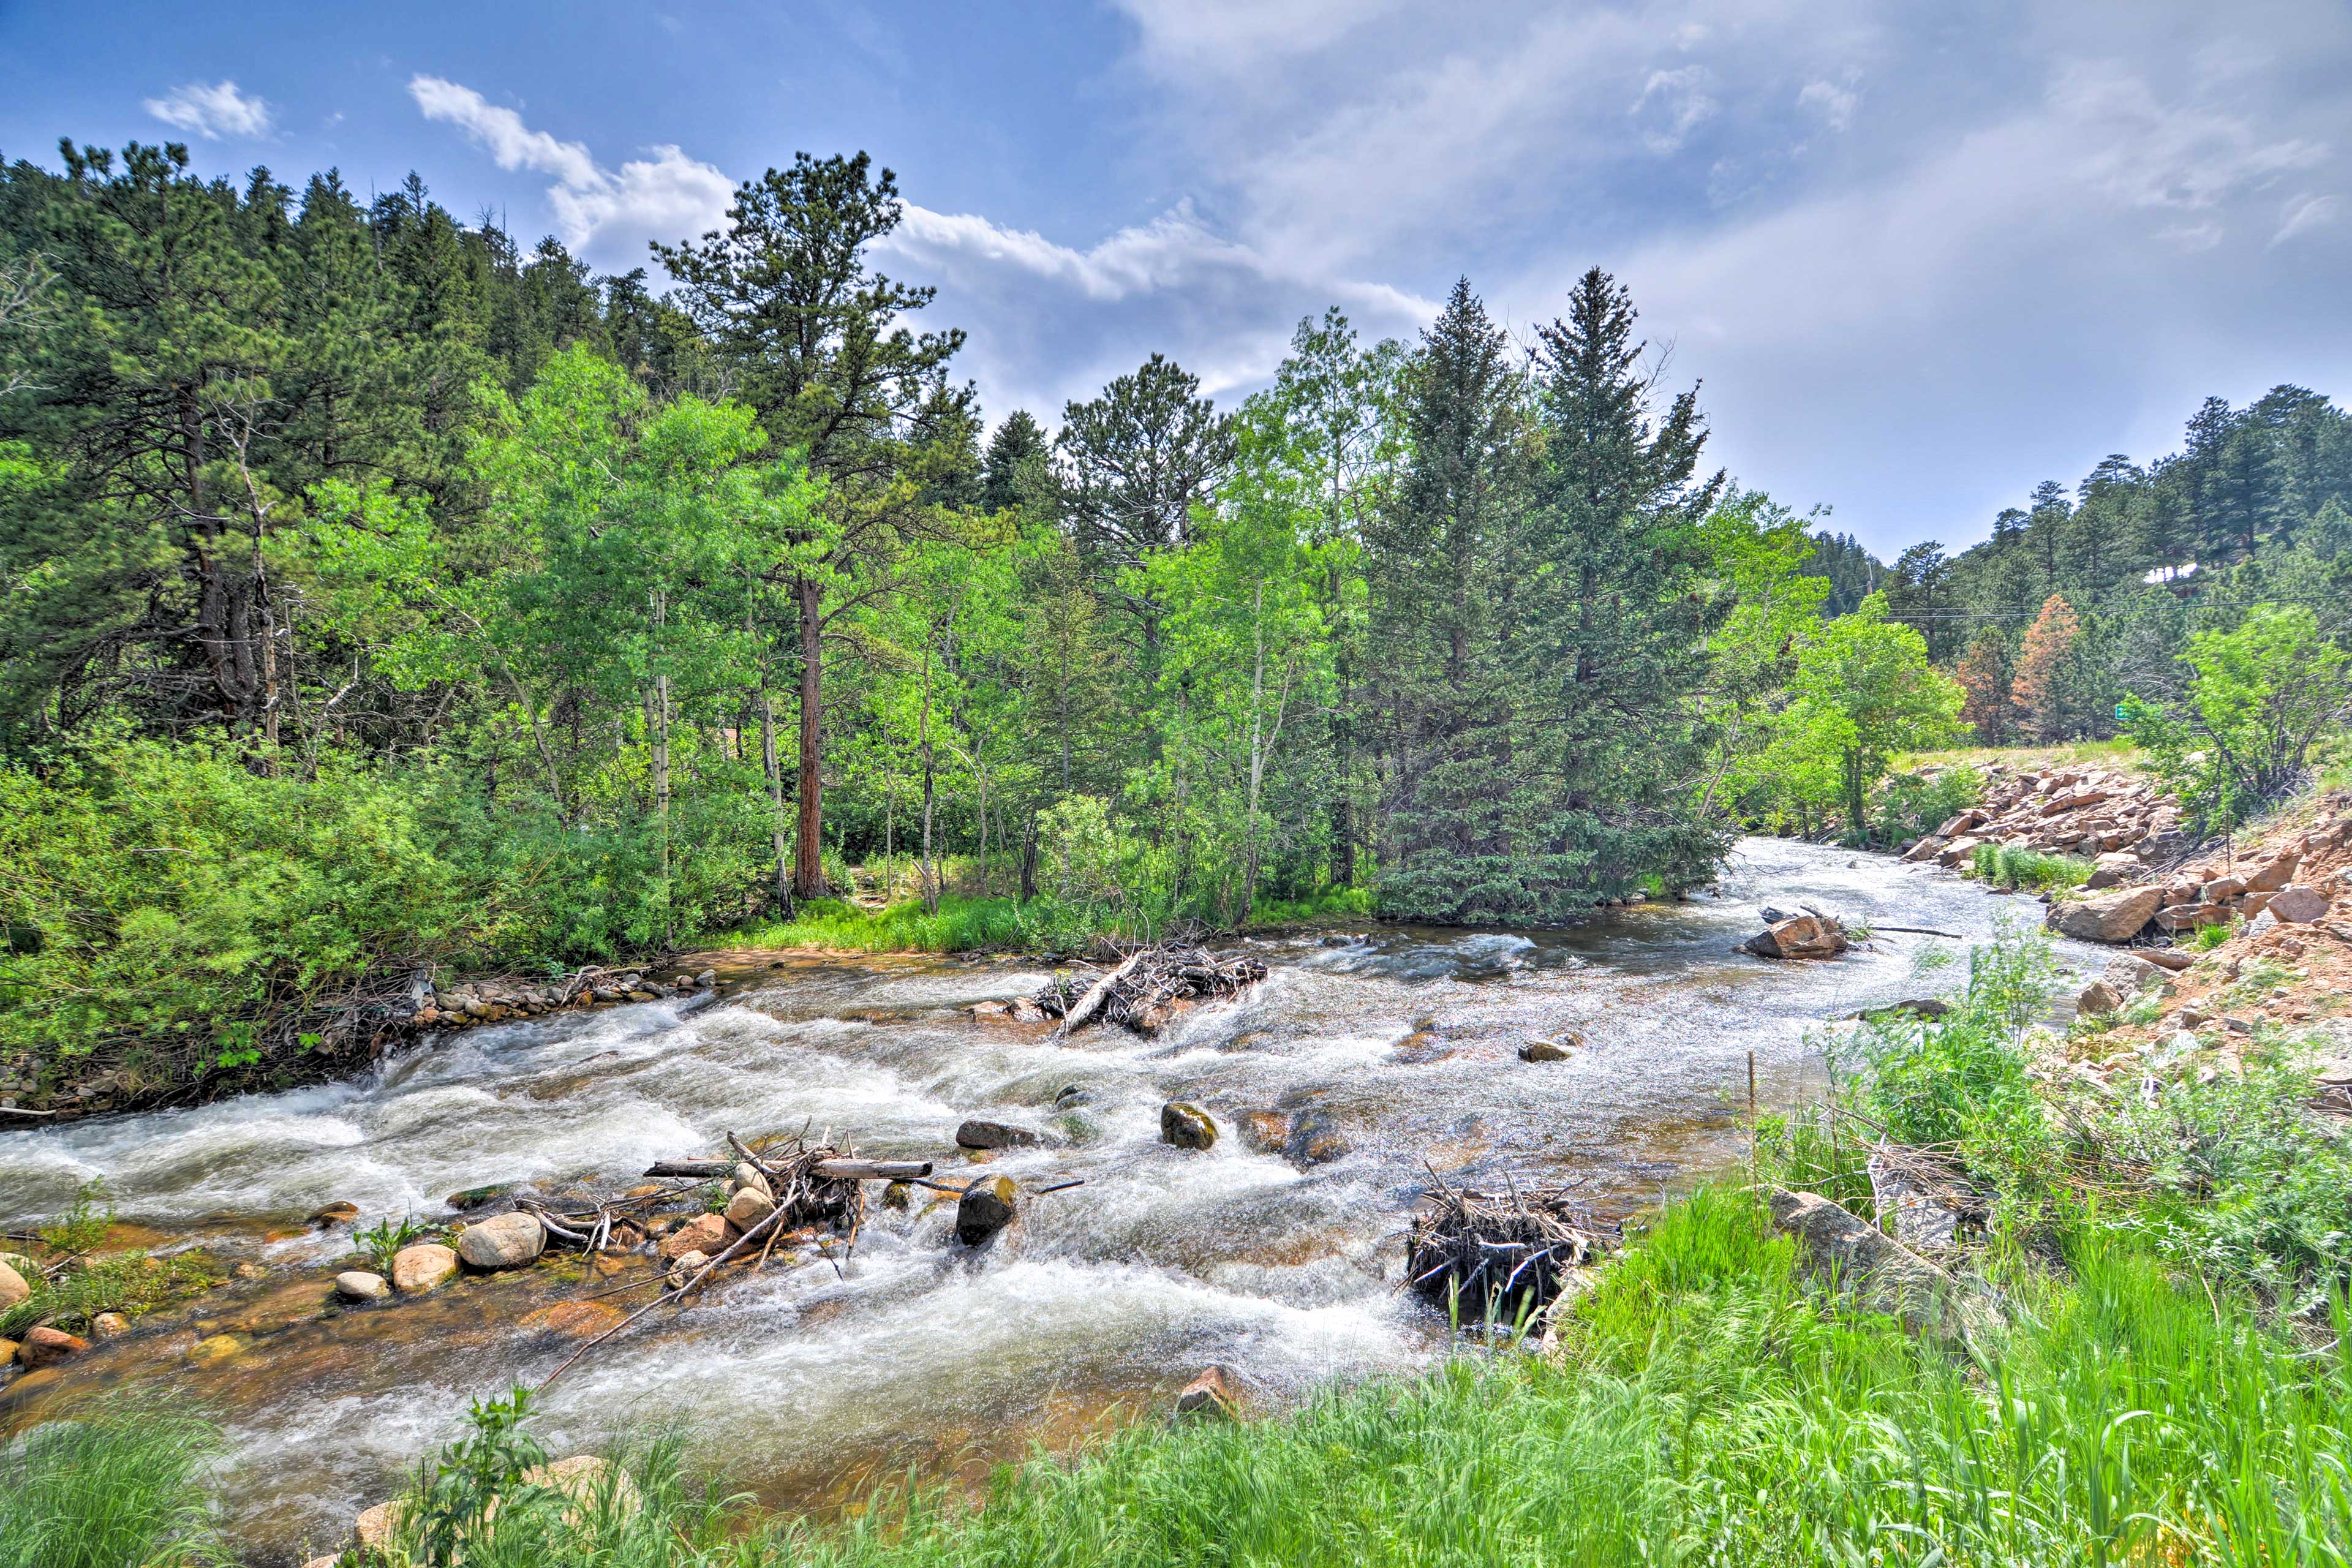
(964, 924)
(2165, 1379)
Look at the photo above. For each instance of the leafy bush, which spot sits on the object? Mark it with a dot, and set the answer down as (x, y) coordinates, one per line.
(1911, 806)
(382, 1241)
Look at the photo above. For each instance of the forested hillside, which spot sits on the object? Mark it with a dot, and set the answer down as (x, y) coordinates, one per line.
(378, 592)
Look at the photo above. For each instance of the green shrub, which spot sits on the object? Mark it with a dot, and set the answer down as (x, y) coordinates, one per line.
(1910, 807)
(382, 1241)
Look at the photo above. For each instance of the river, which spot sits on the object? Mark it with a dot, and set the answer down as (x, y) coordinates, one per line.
(803, 1383)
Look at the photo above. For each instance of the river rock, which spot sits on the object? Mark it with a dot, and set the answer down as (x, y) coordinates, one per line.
(986, 1208)
(282, 1308)
(979, 1135)
(1315, 1138)
(1215, 1393)
(2298, 905)
(45, 1346)
(502, 1241)
(14, 1289)
(748, 1207)
(586, 1481)
(420, 1268)
(2222, 889)
(1798, 936)
(705, 1233)
(1186, 1126)
(685, 1267)
(747, 1176)
(1264, 1130)
(216, 1348)
(376, 1526)
(359, 1285)
(2106, 917)
(1926, 849)
(334, 1213)
(108, 1326)
(7, 1353)
(1856, 1255)
(1546, 1050)
(897, 1196)
(473, 1198)
(573, 1320)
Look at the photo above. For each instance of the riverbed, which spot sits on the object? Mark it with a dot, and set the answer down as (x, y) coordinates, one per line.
(803, 1383)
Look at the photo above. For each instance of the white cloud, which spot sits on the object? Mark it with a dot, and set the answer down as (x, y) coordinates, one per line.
(2303, 214)
(1834, 104)
(2184, 156)
(1671, 107)
(213, 111)
(668, 197)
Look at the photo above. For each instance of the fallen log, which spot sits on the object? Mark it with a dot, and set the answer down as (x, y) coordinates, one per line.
(1096, 994)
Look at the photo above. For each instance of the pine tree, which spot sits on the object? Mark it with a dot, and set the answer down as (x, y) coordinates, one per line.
(1984, 673)
(1019, 439)
(2045, 671)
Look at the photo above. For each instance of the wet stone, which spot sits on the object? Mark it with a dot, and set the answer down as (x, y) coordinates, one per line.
(422, 1267)
(359, 1285)
(979, 1135)
(986, 1208)
(1186, 1126)
(502, 1241)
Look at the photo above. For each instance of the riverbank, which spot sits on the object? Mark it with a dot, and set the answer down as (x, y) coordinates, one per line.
(2119, 1365)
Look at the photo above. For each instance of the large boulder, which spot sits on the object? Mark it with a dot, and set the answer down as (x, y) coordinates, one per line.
(502, 1241)
(14, 1289)
(420, 1268)
(2106, 917)
(1928, 849)
(2298, 905)
(1850, 1254)
(1186, 1125)
(986, 1208)
(1800, 936)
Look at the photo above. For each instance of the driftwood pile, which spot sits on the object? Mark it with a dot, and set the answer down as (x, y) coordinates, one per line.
(1499, 1257)
(1149, 987)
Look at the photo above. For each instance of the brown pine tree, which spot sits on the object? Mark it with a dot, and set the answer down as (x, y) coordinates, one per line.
(1984, 674)
(2039, 694)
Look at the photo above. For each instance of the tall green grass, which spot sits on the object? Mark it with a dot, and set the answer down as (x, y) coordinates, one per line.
(116, 1490)
(960, 925)
(2026, 870)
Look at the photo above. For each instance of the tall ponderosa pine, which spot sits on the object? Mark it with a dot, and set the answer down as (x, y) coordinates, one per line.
(787, 295)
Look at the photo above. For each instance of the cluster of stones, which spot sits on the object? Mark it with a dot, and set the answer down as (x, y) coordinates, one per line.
(2287, 883)
(495, 1001)
(2070, 811)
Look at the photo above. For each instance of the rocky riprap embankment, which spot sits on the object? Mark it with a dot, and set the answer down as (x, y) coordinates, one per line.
(2065, 811)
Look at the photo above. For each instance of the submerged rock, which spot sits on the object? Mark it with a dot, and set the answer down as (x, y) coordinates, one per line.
(1558, 1050)
(986, 1208)
(1186, 1126)
(575, 1319)
(979, 1135)
(44, 1346)
(1266, 1132)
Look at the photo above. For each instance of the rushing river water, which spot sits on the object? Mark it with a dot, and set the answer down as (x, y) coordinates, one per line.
(1102, 1299)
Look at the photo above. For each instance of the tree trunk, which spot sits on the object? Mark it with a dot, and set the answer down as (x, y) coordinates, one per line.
(777, 826)
(808, 849)
(657, 731)
(1029, 858)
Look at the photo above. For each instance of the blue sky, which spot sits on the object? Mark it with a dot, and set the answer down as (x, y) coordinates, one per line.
(1922, 253)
